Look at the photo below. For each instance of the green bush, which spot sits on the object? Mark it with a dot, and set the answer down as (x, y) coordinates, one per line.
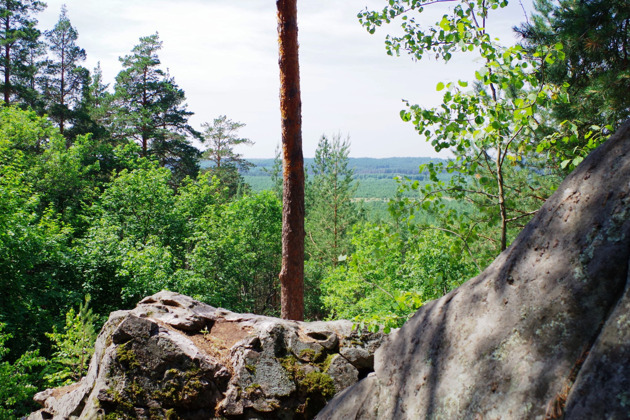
(18, 381)
(391, 273)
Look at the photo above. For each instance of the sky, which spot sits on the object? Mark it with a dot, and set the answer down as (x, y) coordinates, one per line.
(223, 53)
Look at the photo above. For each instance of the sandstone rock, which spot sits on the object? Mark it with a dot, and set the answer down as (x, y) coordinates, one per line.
(342, 372)
(361, 352)
(174, 357)
(543, 332)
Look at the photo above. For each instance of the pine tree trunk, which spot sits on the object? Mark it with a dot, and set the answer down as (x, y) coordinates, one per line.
(292, 273)
(7, 65)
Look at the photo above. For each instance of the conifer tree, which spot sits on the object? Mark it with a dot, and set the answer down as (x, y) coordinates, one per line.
(151, 109)
(64, 75)
(95, 113)
(595, 36)
(220, 139)
(33, 61)
(331, 211)
(18, 36)
(73, 347)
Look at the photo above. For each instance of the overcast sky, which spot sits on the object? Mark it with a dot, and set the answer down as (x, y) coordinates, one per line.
(223, 53)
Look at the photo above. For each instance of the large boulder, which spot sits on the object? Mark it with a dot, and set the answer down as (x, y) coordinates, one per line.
(173, 357)
(543, 332)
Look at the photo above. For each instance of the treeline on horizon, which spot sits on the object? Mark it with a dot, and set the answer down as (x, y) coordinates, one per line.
(360, 166)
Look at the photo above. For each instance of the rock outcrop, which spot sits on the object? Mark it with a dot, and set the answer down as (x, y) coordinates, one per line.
(543, 332)
(173, 357)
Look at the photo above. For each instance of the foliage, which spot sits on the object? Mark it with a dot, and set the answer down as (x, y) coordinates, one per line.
(595, 36)
(17, 380)
(72, 348)
(491, 128)
(220, 139)
(95, 112)
(391, 273)
(134, 239)
(34, 242)
(274, 172)
(331, 212)
(235, 259)
(120, 212)
(568, 145)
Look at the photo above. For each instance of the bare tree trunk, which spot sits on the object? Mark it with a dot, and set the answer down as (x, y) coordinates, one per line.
(292, 273)
(7, 65)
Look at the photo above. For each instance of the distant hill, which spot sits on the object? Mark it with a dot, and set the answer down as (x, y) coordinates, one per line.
(391, 167)
(374, 176)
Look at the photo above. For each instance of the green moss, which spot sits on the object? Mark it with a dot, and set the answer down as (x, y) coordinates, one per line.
(318, 383)
(318, 388)
(171, 414)
(251, 369)
(292, 366)
(313, 388)
(135, 391)
(253, 388)
(192, 387)
(309, 355)
(181, 385)
(121, 403)
(168, 393)
(123, 407)
(326, 363)
(126, 356)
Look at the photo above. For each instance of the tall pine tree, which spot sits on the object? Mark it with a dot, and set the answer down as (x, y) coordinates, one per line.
(18, 37)
(65, 76)
(152, 110)
(292, 272)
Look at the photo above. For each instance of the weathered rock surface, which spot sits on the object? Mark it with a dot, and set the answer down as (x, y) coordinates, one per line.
(543, 332)
(173, 357)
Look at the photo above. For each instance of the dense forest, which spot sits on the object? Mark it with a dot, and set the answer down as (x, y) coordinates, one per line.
(105, 200)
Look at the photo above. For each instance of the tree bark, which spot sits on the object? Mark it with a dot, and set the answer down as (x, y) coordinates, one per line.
(7, 65)
(292, 273)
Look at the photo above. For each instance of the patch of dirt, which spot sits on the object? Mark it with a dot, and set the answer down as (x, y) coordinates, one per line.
(58, 392)
(218, 341)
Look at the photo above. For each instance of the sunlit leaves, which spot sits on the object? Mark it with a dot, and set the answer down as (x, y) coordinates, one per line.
(17, 379)
(457, 31)
(391, 274)
(489, 127)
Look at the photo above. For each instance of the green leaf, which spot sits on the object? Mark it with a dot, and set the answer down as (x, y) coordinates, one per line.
(440, 86)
